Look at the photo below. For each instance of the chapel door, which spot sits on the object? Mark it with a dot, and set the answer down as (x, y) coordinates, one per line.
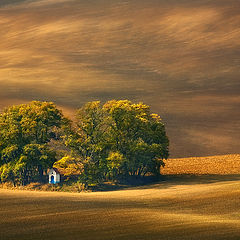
(52, 179)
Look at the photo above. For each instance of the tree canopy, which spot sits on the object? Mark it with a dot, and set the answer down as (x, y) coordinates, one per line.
(109, 141)
(25, 131)
(118, 139)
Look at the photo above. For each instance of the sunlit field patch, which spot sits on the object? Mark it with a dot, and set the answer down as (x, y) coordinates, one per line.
(168, 210)
(220, 165)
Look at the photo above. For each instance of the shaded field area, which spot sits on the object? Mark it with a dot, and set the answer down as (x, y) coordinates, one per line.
(177, 209)
(181, 57)
(212, 165)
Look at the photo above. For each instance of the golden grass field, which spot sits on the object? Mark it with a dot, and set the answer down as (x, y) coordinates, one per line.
(193, 210)
(181, 207)
(221, 165)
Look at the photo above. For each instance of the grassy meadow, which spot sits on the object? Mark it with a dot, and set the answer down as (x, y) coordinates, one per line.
(180, 207)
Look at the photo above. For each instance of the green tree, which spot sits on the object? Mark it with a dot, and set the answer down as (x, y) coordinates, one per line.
(137, 134)
(115, 161)
(9, 154)
(36, 158)
(69, 166)
(7, 173)
(118, 139)
(87, 139)
(25, 131)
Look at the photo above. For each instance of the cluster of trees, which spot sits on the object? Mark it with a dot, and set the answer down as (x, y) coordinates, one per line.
(105, 142)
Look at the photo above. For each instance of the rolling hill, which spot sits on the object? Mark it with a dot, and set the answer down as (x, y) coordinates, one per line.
(202, 206)
(179, 56)
(172, 210)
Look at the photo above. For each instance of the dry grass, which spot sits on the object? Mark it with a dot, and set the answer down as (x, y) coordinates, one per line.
(36, 186)
(197, 208)
(219, 165)
(169, 211)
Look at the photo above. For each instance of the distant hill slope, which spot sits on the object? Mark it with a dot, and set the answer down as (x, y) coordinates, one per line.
(222, 165)
(181, 57)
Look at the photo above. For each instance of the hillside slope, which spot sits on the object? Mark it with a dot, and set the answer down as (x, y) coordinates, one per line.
(171, 211)
(181, 57)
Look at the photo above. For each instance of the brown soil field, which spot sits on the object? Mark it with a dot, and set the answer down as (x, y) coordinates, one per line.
(220, 165)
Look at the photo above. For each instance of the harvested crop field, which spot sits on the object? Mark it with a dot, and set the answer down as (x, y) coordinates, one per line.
(188, 209)
(220, 165)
